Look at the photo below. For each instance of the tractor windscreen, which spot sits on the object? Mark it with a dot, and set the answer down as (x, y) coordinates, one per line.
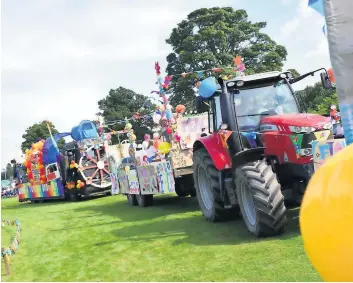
(254, 102)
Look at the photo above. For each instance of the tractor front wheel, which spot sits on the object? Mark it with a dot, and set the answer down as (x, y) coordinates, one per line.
(208, 188)
(260, 199)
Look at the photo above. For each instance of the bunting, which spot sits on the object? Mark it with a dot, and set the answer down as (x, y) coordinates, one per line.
(6, 253)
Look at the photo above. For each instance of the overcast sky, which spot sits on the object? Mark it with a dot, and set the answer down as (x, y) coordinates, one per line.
(59, 57)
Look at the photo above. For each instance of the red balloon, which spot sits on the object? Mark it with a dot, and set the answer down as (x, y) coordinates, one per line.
(169, 130)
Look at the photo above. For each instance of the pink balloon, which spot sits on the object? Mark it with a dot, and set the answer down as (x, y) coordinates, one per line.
(177, 138)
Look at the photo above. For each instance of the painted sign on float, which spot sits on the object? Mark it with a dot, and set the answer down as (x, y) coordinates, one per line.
(322, 150)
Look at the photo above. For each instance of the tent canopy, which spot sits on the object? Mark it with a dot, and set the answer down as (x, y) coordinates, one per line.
(85, 130)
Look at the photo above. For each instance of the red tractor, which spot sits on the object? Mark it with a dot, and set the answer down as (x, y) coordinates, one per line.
(267, 158)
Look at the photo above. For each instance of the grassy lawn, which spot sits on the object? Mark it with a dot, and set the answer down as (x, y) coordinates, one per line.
(105, 239)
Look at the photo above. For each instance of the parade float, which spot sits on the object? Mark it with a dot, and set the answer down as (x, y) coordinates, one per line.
(79, 169)
(164, 164)
(37, 181)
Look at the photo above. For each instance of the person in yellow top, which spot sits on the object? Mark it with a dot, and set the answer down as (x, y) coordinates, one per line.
(326, 218)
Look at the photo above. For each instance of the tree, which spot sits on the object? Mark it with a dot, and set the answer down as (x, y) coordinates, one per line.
(3, 174)
(9, 171)
(317, 99)
(211, 38)
(36, 132)
(294, 72)
(124, 103)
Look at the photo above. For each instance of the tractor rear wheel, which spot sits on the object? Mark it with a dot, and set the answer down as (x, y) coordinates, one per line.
(208, 188)
(260, 199)
(144, 200)
(131, 199)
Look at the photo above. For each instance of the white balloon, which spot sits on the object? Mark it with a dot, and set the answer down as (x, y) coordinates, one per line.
(156, 118)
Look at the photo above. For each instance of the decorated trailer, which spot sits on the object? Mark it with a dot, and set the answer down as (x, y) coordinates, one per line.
(169, 172)
(37, 180)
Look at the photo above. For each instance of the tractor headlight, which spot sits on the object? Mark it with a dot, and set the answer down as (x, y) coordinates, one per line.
(240, 83)
(298, 130)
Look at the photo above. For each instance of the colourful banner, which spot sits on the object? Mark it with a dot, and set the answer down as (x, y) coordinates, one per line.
(322, 150)
(191, 128)
(53, 189)
(115, 183)
(123, 181)
(297, 142)
(165, 178)
(134, 188)
(148, 179)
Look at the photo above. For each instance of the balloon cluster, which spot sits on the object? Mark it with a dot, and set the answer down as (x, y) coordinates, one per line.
(80, 184)
(208, 86)
(34, 163)
(164, 117)
(71, 185)
(73, 165)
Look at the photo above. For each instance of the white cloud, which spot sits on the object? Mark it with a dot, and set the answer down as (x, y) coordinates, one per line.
(321, 49)
(289, 27)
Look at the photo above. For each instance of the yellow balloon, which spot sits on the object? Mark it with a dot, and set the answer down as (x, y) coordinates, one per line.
(164, 147)
(326, 218)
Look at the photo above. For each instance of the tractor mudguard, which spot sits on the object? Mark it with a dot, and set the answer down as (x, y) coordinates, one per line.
(218, 153)
(249, 155)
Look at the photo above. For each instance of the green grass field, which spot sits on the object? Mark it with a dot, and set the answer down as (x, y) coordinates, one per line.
(105, 239)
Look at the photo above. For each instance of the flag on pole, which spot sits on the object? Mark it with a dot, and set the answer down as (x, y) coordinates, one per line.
(318, 6)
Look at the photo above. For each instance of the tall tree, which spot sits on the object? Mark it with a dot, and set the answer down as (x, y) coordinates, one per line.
(3, 174)
(294, 72)
(211, 38)
(37, 131)
(9, 172)
(124, 103)
(317, 99)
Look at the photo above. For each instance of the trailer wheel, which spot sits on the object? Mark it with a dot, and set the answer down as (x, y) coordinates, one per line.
(131, 199)
(208, 188)
(180, 188)
(73, 196)
(184, 186)
(144, 200)
(260, 199)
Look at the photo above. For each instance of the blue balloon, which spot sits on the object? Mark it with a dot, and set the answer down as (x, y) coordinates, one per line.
(208, 87)
(168, 114)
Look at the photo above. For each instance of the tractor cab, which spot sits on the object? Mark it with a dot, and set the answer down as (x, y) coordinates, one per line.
(258, 153)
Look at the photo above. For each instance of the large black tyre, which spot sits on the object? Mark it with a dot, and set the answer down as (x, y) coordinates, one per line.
(73, 195)
(260, 199)
(144, 200)
(208, 188)
(131, 199)
(181, 188)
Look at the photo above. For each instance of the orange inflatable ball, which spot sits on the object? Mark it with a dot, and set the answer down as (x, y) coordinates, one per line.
(326, 218)
(180, 108)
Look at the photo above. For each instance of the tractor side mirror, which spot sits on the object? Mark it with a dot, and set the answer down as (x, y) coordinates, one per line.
(201, 105)
(325, 80)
